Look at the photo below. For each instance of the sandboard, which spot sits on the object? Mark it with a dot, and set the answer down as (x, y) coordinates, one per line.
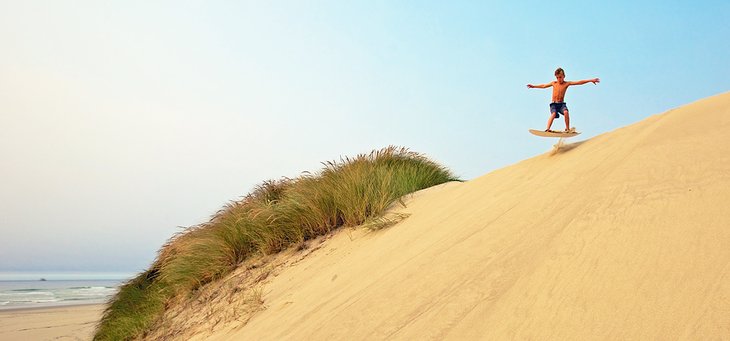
(553, 133)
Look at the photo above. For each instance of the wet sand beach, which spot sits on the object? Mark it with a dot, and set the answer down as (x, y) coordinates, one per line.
(53, 323)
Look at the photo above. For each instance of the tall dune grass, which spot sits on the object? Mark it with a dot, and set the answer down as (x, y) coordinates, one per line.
(275, 215)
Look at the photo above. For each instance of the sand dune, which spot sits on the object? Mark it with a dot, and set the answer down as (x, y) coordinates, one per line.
(623, 236)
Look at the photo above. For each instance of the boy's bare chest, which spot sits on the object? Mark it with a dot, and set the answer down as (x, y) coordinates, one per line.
(560, 88)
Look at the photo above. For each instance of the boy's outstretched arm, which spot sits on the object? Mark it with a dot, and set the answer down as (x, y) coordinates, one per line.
(540, 86)
(594, 81)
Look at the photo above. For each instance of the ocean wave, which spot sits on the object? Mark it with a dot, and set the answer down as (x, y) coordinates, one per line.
(28, 294)
(37, 300)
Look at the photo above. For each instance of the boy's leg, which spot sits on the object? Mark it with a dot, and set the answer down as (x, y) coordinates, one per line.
(567, 120)
(553, 113)
(550, 121)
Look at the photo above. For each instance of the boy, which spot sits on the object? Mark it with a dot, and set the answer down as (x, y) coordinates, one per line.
(560, 86)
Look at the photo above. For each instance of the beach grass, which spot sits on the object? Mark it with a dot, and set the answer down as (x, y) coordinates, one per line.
(277, 214)
(134, 308)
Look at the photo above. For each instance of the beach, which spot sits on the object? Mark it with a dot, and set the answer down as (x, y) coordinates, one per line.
(54, 323)
(619, 237)
(61, 306)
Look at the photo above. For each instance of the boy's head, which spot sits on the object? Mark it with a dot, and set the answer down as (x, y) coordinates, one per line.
(560, 74)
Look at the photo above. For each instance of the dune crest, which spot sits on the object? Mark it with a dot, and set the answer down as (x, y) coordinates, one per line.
(623, 236)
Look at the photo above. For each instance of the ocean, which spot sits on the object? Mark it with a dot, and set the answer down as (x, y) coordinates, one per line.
(29, 290)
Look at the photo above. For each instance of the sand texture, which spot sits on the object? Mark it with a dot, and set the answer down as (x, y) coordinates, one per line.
(57, 323)
(625, 236)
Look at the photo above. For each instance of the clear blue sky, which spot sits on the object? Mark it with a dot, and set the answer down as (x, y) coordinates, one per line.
(120, 121)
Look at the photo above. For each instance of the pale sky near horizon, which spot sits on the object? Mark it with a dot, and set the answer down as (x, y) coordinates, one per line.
(121, 121)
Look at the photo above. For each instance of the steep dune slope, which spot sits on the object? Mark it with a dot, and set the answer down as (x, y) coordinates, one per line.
(623, 236)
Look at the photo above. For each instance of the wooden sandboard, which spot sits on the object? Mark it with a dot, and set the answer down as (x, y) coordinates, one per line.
(553, 133)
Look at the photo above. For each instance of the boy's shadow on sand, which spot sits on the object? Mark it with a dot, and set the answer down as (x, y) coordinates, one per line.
(561, 147)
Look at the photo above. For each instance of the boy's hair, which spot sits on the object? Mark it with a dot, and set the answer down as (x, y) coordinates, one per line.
(559, 71)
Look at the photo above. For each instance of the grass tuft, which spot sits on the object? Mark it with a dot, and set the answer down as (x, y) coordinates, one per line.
(277, 214)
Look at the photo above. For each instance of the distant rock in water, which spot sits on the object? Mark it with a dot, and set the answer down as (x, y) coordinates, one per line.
(42, 279)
